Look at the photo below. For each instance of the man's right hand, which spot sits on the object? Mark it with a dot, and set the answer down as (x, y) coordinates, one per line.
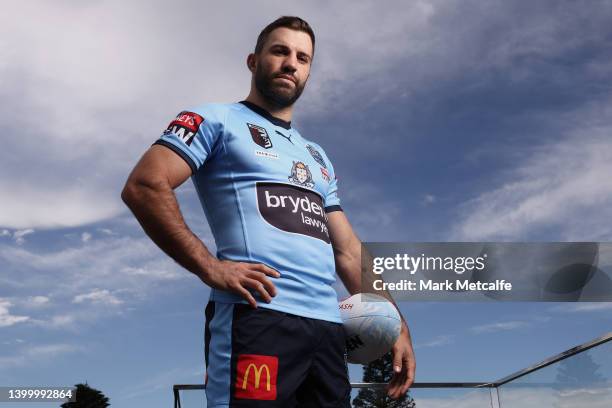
(240, 278)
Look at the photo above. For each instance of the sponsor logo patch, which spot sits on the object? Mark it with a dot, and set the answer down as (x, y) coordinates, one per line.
(301, 175)
(316, 155)
(268, 155)
(185, 126)
(293, 209)
(256, 377)
(260, 136)
(325, 174)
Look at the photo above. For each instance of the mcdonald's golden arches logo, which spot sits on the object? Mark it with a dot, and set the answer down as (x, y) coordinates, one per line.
(256, 377)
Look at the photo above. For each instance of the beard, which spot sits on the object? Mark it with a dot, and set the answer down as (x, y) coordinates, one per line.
(277, 95)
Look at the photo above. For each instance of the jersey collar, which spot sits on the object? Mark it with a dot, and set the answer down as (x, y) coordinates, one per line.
(261, 111)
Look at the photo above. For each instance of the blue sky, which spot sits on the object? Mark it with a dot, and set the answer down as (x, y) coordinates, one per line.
(464, 121)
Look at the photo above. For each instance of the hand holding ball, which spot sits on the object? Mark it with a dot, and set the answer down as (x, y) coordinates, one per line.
(372, 326)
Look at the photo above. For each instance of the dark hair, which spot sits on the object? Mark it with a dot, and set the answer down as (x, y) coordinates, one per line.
(294, 23)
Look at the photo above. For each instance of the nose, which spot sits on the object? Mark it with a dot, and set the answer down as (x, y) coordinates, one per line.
(290, 63)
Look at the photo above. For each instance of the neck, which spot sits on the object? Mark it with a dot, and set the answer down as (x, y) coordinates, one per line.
(281, 113)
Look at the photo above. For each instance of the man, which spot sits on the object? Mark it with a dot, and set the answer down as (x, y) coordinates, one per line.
(273, 332)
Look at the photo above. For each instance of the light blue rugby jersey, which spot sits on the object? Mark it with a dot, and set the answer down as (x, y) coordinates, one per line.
(266, 192)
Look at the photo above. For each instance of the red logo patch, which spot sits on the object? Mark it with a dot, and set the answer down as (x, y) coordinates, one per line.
(256, 377)
(185, 126)
(260, 136)
(325, 174)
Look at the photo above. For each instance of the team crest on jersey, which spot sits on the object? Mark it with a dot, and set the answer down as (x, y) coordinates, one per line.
(260, 136)
(316, 155)
(300, 174)
(324, 174)
(185, 126)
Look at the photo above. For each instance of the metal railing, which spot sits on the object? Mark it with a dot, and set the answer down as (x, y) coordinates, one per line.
(492, 386)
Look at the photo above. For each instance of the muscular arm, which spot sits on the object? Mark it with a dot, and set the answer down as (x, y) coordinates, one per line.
(149, 193)
(347, 254)
(347, 251)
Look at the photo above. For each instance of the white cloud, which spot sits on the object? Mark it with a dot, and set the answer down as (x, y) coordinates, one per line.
(74, 147)
(428, 199)
(521, 395)
(596, 396)
(438, 341)
(83, 269)
(161, 380)
(73, 158)
(6, 318)
(36, 354)
(498, 326)
(72, 206)
(131, 271)
(152, 273)
(461, 398)
(85, 237)
(59, 321)
(582, 307)
(19, 235)
(36, 301)
(102, 296)
(557, 185)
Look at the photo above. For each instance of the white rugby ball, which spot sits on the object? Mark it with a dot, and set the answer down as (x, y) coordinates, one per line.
(372, 325)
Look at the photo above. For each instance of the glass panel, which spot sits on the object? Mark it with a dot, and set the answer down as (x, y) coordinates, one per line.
(192, 398)
(444, 398)
(423, 398)
(583, 380)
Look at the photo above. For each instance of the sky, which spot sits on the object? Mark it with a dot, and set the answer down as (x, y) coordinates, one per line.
(445, 121)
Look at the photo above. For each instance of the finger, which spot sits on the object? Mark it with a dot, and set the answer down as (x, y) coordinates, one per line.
(399, 386)
(247, 296)
(391, 391)
(411, 373)
(266, 269)
(397, 361)
(394, 385)
(408, 369)
(259, 287)
(406, 384)
(261, 277)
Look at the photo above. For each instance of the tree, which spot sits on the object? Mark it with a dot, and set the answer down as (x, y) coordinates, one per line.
(579, 383)
(380, 371)
(87, 397)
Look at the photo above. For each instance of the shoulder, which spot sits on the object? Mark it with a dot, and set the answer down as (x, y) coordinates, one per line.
(318, 153)
(212, 112)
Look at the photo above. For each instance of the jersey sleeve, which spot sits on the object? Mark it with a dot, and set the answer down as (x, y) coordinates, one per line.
(332, 201)
(194, 135)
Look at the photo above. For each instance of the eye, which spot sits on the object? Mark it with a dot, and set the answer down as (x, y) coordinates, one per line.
(279, 51)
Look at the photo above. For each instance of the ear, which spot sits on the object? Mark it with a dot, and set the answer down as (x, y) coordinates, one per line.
(251, 62)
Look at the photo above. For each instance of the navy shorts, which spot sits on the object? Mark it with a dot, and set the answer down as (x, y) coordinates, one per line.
(265, 358)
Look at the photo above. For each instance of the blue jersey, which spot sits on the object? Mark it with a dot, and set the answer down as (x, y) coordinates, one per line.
(266, 192)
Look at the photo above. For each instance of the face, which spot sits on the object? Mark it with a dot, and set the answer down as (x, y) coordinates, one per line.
(283, 66)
